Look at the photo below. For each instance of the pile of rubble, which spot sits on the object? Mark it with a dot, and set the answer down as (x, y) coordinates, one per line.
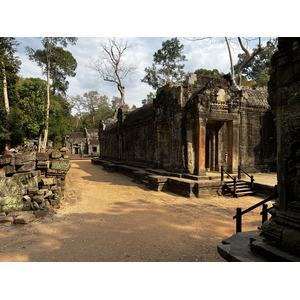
(31, 184)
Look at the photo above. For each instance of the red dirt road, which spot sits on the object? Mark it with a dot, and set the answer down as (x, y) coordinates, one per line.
(114, 219)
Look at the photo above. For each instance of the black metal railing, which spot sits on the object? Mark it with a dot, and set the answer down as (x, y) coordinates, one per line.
(264, 211)
(240, 170)
(228, 175)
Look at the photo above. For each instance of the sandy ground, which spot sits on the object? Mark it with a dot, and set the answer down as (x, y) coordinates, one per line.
(109, 218)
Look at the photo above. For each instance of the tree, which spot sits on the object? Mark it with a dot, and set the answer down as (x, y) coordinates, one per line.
(116, 102)
(214, 72)
(149, 98)
(93, 102)
(9, 66)
(60, 120)
(110, 65)
(248, 56)
(166, 65)
(259, 68)
(31, 107)
(44, 58)
(91, 108)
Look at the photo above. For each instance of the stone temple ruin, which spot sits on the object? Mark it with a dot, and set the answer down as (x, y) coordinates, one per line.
(279, 239)
(191, 129)
(31, 184)
(84, 143)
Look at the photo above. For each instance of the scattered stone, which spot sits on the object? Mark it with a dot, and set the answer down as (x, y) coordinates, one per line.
(55, 154)
(2, 173)
(35, 205)
(5, 159)
(26, 198)
(24, 219)
(38, 199)
(6, 219)
(42, 156)
(49, 181)
(28, 166)
(41, 213)
(9, 169)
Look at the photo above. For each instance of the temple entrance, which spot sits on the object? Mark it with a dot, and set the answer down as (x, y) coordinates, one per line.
(214, 145)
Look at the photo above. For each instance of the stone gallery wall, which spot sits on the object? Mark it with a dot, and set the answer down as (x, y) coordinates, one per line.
(32, 181)
(195, 127)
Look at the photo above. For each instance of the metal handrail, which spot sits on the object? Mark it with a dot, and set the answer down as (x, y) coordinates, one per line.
(222, 175)
(233, 178)
(251, 176)
(264, 212)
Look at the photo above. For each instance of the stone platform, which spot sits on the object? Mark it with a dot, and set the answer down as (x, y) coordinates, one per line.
(251, 246)
(183, 184)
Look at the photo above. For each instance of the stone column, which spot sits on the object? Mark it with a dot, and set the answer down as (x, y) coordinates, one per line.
(200, 147)
(233, 146)
(284, 98)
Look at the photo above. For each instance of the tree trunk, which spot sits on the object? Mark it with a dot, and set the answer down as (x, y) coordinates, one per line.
(40, 142)
(231, 63)
(48, 96)
(6, 103)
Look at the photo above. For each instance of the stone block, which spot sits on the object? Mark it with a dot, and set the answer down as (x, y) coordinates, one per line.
(60, 165)
(24, 219)
(10, 195)
(2, 174)
(48, 181)
(14, 214)
(32, 191)
(27, 180)
(6, 159)
(6, 219)
(26, 198)
(42, 156)
(43, 164)
(21, 159)
(41, 213)
(55, 154)
(26, 167)
(9, 169)
(38, 199)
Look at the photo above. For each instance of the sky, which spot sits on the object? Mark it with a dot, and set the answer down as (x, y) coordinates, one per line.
(210, 54)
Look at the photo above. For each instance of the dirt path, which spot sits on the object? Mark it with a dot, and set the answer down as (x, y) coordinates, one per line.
(115, 219)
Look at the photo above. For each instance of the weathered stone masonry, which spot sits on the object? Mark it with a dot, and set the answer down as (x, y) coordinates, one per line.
(195, 128)
(31, 182)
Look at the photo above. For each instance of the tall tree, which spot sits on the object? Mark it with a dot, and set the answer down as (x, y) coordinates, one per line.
(44, 58)
(166, 65)
(9, 66)
(31, 106)
(258, 69)
(110, 64)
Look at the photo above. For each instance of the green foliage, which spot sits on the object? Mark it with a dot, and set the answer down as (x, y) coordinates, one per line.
(149, 98)
(91, 108)
(60, 120)
(62, 64)
(31, 106)
(166, 67)
(259, 68)
(214, 72)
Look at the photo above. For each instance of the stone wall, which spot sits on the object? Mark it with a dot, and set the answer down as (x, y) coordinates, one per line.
(32, 181)
(201, 126)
